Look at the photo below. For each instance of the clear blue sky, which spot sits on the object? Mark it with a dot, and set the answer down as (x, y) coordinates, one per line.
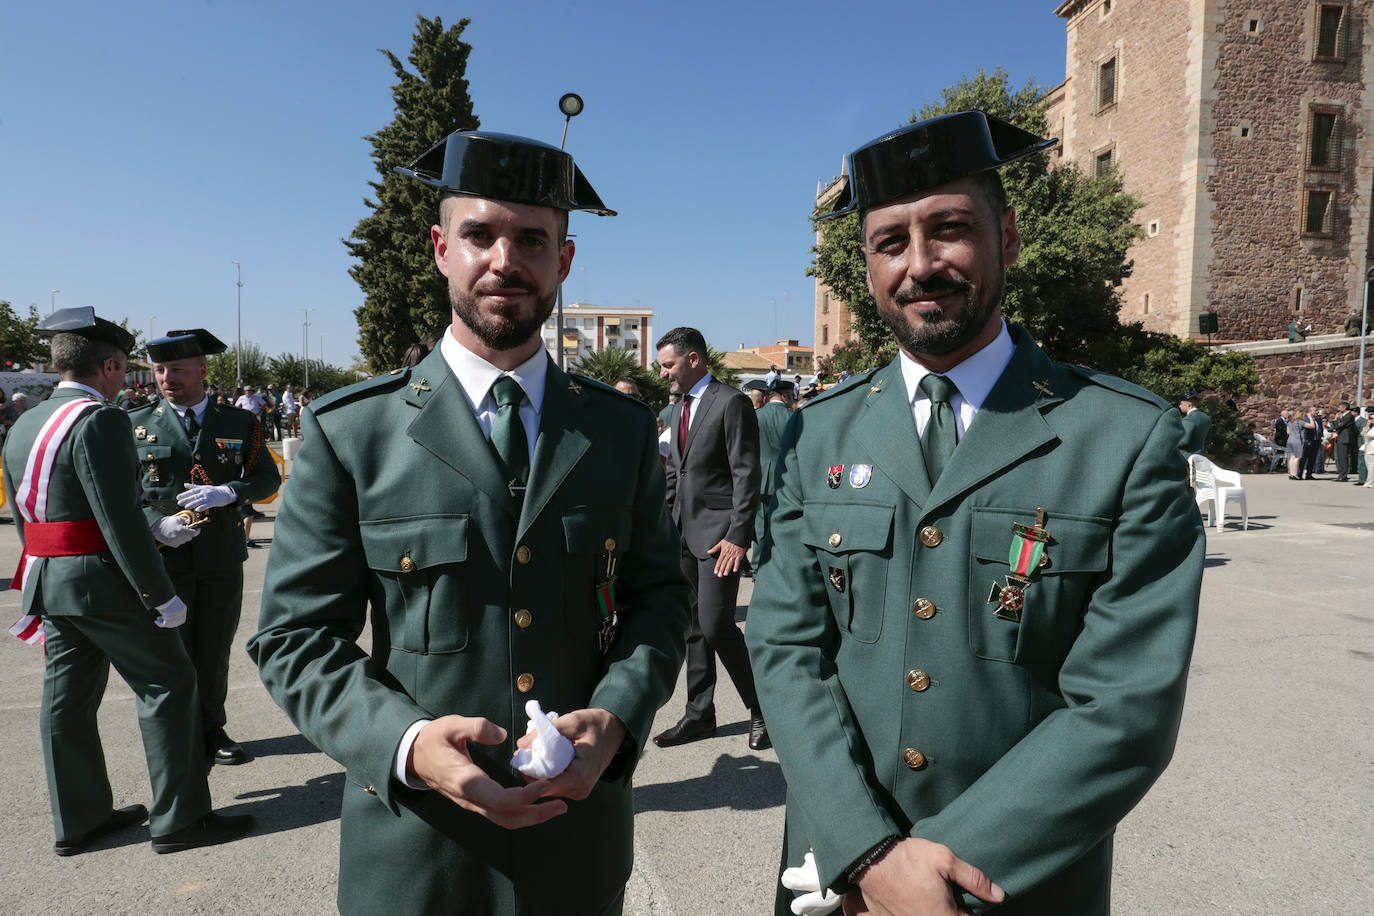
(146, 146)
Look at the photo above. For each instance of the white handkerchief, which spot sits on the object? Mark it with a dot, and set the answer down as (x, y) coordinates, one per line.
(805, 878)
(551, 752)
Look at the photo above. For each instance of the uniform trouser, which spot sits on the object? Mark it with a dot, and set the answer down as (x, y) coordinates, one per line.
(79, 651)
(1361, 467)
(1343, 456)
(714, 633)
(214, 602)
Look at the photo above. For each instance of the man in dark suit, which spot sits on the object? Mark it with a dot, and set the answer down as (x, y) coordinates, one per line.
(713, 491)
(504, 523)
(205, 458)
(91, 572)
(1344, 427)
(1196, 426)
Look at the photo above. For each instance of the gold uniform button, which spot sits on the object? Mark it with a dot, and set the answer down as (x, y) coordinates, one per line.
(913, 758)
(197, 456)
(931, 536)
(917, 679)
(523, 618)
(924, 608)
(369, 790)
(522, 555)
(407, 564)
(525, 682)
(610, 543)
(835, 539)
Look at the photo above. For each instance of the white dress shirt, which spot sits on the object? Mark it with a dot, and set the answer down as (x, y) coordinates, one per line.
(197, 409)
(695, 394)
(86, 388)
(974, 378)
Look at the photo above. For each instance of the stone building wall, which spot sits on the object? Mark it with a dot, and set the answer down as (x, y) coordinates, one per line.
(832, 315)
(1317, 373)
(1265, 269)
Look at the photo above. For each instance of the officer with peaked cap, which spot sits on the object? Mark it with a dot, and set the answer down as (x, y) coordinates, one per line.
(505, 522)
(972, 623)
(1196, 426)
(91, 572)
(197, 461)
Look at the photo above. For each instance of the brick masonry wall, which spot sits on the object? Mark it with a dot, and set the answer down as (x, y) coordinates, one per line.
(1267, 80)
(1316, 375)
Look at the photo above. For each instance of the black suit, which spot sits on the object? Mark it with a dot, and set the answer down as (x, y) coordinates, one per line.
(713, 493)
(1344, 427)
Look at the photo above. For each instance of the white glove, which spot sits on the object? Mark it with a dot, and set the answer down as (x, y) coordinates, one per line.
(172, 614)
(551, 752)
(173, 531)
(814, 902)
(201, 497)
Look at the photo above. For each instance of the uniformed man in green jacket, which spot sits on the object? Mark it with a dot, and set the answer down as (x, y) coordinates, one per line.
(205, 459)
(505, 524)
(772, 417)
(972, 625)
(92, 574)
(1196, 426)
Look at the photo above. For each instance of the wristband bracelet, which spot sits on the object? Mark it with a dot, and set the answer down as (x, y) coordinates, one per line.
(854, 872)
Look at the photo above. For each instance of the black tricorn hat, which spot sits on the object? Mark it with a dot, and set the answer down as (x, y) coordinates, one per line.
(84, 321)
(928, 154)
(506, 167)
(182, 344)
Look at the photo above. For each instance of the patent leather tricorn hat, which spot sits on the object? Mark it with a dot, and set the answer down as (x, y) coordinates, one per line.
(928, 154)
(506, 167)
(84, 321)
(183, 344)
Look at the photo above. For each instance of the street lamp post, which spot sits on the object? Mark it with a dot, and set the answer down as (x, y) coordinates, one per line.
(238, 349)
(571, 106)
(151, 319)
(305, 344)
(1364, 329)
(52, 301)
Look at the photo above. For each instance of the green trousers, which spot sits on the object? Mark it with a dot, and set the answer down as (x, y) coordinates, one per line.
(79, 651)
(214, 603)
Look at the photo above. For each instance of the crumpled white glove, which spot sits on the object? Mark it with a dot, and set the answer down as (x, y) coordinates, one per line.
(201, 497)
(814, 902)
(551, 752)
(173, 531)
(172, 614)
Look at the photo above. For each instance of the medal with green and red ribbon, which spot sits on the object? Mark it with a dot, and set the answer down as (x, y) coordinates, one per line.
(605, 603)
(1026, 554)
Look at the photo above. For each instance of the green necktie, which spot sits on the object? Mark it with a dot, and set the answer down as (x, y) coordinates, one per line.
(941, 435)
(192, 427)
(508, 435)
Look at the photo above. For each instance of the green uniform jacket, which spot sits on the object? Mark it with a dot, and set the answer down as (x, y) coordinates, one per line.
(772, 418)
(397, 505)
(231, 449)
(1196, 426)
(898, 702)
(95, 475)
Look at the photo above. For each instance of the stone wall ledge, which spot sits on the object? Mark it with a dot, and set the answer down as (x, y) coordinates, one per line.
(1281, 347)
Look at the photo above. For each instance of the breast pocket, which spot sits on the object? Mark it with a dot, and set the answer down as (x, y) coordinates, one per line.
(420, 562)
(158, 475)
(1054, 603)
(852, 544)
(597, 539)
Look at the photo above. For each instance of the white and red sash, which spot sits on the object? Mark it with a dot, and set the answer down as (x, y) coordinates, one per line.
(31, 497)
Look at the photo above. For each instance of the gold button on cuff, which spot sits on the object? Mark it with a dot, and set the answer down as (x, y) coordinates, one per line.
(917, 679)
(931, 536)
(523, 618)
(923, 608)
(913, 758)
(407, 564)
(835, 539)
(610, 543)
(522, 554)
(525, 683)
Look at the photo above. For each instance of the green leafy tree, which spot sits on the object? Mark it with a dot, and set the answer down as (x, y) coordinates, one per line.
(611, 364)
(404, 295)
(222, 367)
(856, 356)
(1075, 232)
(20, 345)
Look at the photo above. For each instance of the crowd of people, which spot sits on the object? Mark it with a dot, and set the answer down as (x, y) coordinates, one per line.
(1311, 438)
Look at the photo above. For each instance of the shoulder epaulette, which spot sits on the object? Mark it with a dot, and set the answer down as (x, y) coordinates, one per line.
(378, 384)
(1114, 383)
(586, 381)
(860, 381)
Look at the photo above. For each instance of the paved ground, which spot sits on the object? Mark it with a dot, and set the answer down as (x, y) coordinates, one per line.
(1267, 808)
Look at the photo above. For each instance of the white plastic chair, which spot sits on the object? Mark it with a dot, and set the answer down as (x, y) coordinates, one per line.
(1268, 448)
(1215, 487)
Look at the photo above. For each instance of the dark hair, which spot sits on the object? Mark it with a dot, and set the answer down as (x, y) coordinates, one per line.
(81, 356)
(684, 340)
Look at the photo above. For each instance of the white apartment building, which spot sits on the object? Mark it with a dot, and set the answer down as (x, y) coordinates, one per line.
(588, 327)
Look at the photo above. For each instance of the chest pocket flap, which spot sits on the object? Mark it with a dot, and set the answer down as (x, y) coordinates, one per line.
(415, 542)
(1078, 543)
(852, 544)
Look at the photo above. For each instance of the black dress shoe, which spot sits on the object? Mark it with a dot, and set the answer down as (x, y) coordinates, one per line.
(210, 830)
(223, 750)
(758, 733)
(687, 730)
(130, 816)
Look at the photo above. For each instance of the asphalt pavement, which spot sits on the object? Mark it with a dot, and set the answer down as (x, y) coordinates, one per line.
(1268, 806)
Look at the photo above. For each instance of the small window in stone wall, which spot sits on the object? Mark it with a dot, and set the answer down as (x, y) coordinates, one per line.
(1324, 130)
(1103, 161)
(1106, 91)
(1243, 131)
(825, 335)
(1105, 9)
(1330, 29)
(1317, 212)
(1145, 310)
(1297, 299)
(1252, 25)
(1152, 229)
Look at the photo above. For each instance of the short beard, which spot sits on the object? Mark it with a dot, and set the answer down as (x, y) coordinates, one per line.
(937, 333)
(500, 332)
